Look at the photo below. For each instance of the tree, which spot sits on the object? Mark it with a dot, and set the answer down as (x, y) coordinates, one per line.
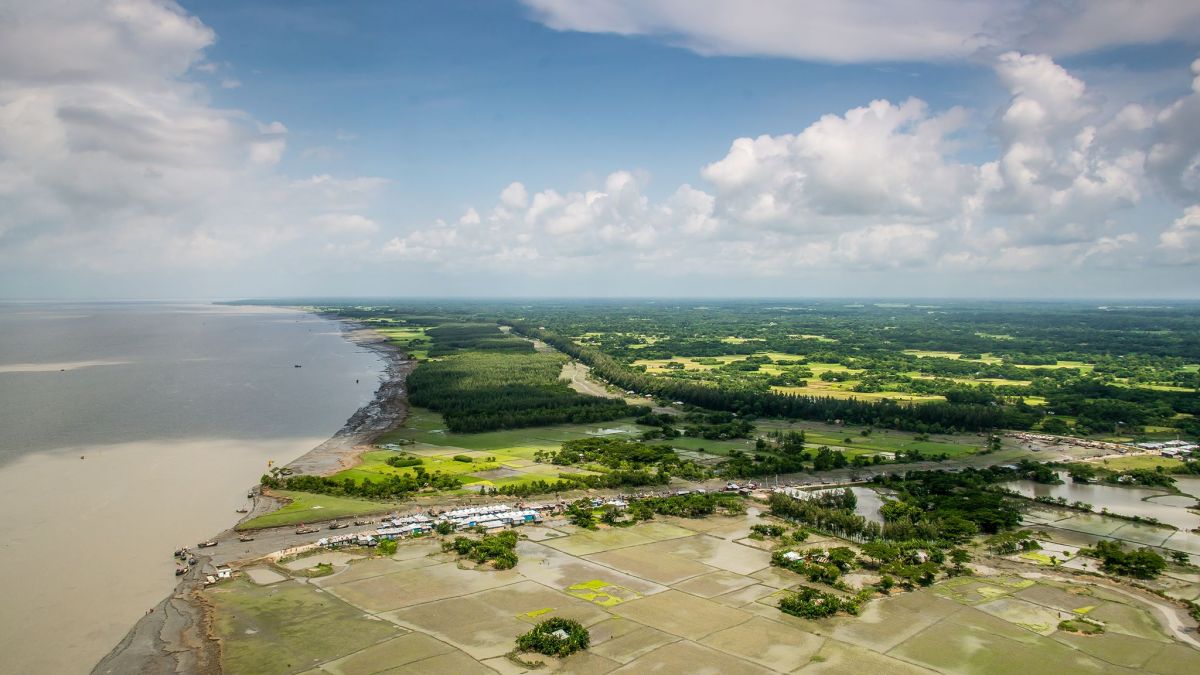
(547, 637)
(387, 547)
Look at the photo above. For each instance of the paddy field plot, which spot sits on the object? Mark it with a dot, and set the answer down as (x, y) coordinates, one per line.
(709, 606)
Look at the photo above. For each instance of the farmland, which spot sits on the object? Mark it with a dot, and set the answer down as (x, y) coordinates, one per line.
(669, 595)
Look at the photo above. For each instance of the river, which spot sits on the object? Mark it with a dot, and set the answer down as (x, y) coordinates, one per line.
(130, 429)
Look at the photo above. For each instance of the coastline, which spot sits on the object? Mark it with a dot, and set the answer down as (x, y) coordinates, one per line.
(174, 636)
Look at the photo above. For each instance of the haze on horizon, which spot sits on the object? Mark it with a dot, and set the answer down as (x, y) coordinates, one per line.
(518, 148)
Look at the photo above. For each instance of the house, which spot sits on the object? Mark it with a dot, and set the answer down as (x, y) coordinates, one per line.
(224, 572)
(791, 556)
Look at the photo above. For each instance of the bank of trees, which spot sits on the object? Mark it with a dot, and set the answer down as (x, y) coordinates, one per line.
(478, 391)
(391, 487)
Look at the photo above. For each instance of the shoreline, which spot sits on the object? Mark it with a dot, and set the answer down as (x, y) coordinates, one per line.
(174, 636)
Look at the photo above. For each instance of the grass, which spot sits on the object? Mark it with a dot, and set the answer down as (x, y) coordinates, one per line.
(425, 426)
(1139, 462)
(878, 441)
(286, 627)
(843, 390)
(412, 339)
(1085, 367)
(307, 507)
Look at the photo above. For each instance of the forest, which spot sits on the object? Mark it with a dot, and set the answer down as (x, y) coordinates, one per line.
(485, 380)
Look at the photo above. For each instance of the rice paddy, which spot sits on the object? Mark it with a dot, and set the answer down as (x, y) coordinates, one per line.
(671, 595)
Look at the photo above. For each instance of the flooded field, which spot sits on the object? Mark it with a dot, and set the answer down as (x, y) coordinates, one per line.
(1127, 501)
(673, 595)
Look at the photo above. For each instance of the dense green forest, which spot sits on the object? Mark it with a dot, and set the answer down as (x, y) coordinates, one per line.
(487, 380)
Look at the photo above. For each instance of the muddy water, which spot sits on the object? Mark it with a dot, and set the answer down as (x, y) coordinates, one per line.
(1126, 501)
(868, 504)
(176, 410)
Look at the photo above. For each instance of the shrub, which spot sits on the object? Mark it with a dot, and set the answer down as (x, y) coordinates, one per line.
(543, 640)
(401, 461)
(463, 458)
(387, 547)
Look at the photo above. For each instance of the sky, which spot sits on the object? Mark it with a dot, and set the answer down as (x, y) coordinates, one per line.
(719, 148)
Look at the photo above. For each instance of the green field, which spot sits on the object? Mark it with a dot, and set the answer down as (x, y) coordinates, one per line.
(411, 339)
(285, 627)
(307, 506)
(1139, 462)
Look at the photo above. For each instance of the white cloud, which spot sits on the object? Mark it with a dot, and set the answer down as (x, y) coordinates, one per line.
(878, 187)
(1181, 241)
(878, 159)
(345, 224)
(112, 160)
(865, 30)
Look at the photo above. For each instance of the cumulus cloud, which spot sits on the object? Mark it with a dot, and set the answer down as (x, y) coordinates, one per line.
(113, 158)
(882, 186)
(862, 30)
(1181, 241)
(878, 159)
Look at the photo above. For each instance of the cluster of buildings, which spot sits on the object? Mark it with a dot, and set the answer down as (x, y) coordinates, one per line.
(490, 517)
(1070, 440)
(1172, 448)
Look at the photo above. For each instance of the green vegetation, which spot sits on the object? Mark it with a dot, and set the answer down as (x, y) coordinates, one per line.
(547, 637)
(478, 391)
(498, 549)
(809, 603)
(1142, 563)
(1082, 626)
(387, 547)
(304, 507)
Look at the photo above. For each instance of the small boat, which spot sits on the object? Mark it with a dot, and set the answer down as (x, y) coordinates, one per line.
(242, 510)
(192, 561)
(339, 526)
(297, 366)
(245, 537)
(206, 544)
(249, 495)
(307, 530)
(363, 522)
(180, 571)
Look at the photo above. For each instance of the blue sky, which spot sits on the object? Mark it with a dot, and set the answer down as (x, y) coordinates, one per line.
(361, 147)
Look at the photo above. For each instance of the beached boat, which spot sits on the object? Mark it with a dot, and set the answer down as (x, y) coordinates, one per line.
(245, 537)
(180, 571)
(307, 530)
(242, 510)
(339, 526)
(206, 544)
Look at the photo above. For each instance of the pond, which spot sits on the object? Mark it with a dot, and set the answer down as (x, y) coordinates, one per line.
(1126, 501)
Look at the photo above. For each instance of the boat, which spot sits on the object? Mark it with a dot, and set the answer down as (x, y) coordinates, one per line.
(242, 510)
(363, 522)
(245, 537)
(297, 366)
(339, 526)
(206, 544)
(307, 530)
(180, 571)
